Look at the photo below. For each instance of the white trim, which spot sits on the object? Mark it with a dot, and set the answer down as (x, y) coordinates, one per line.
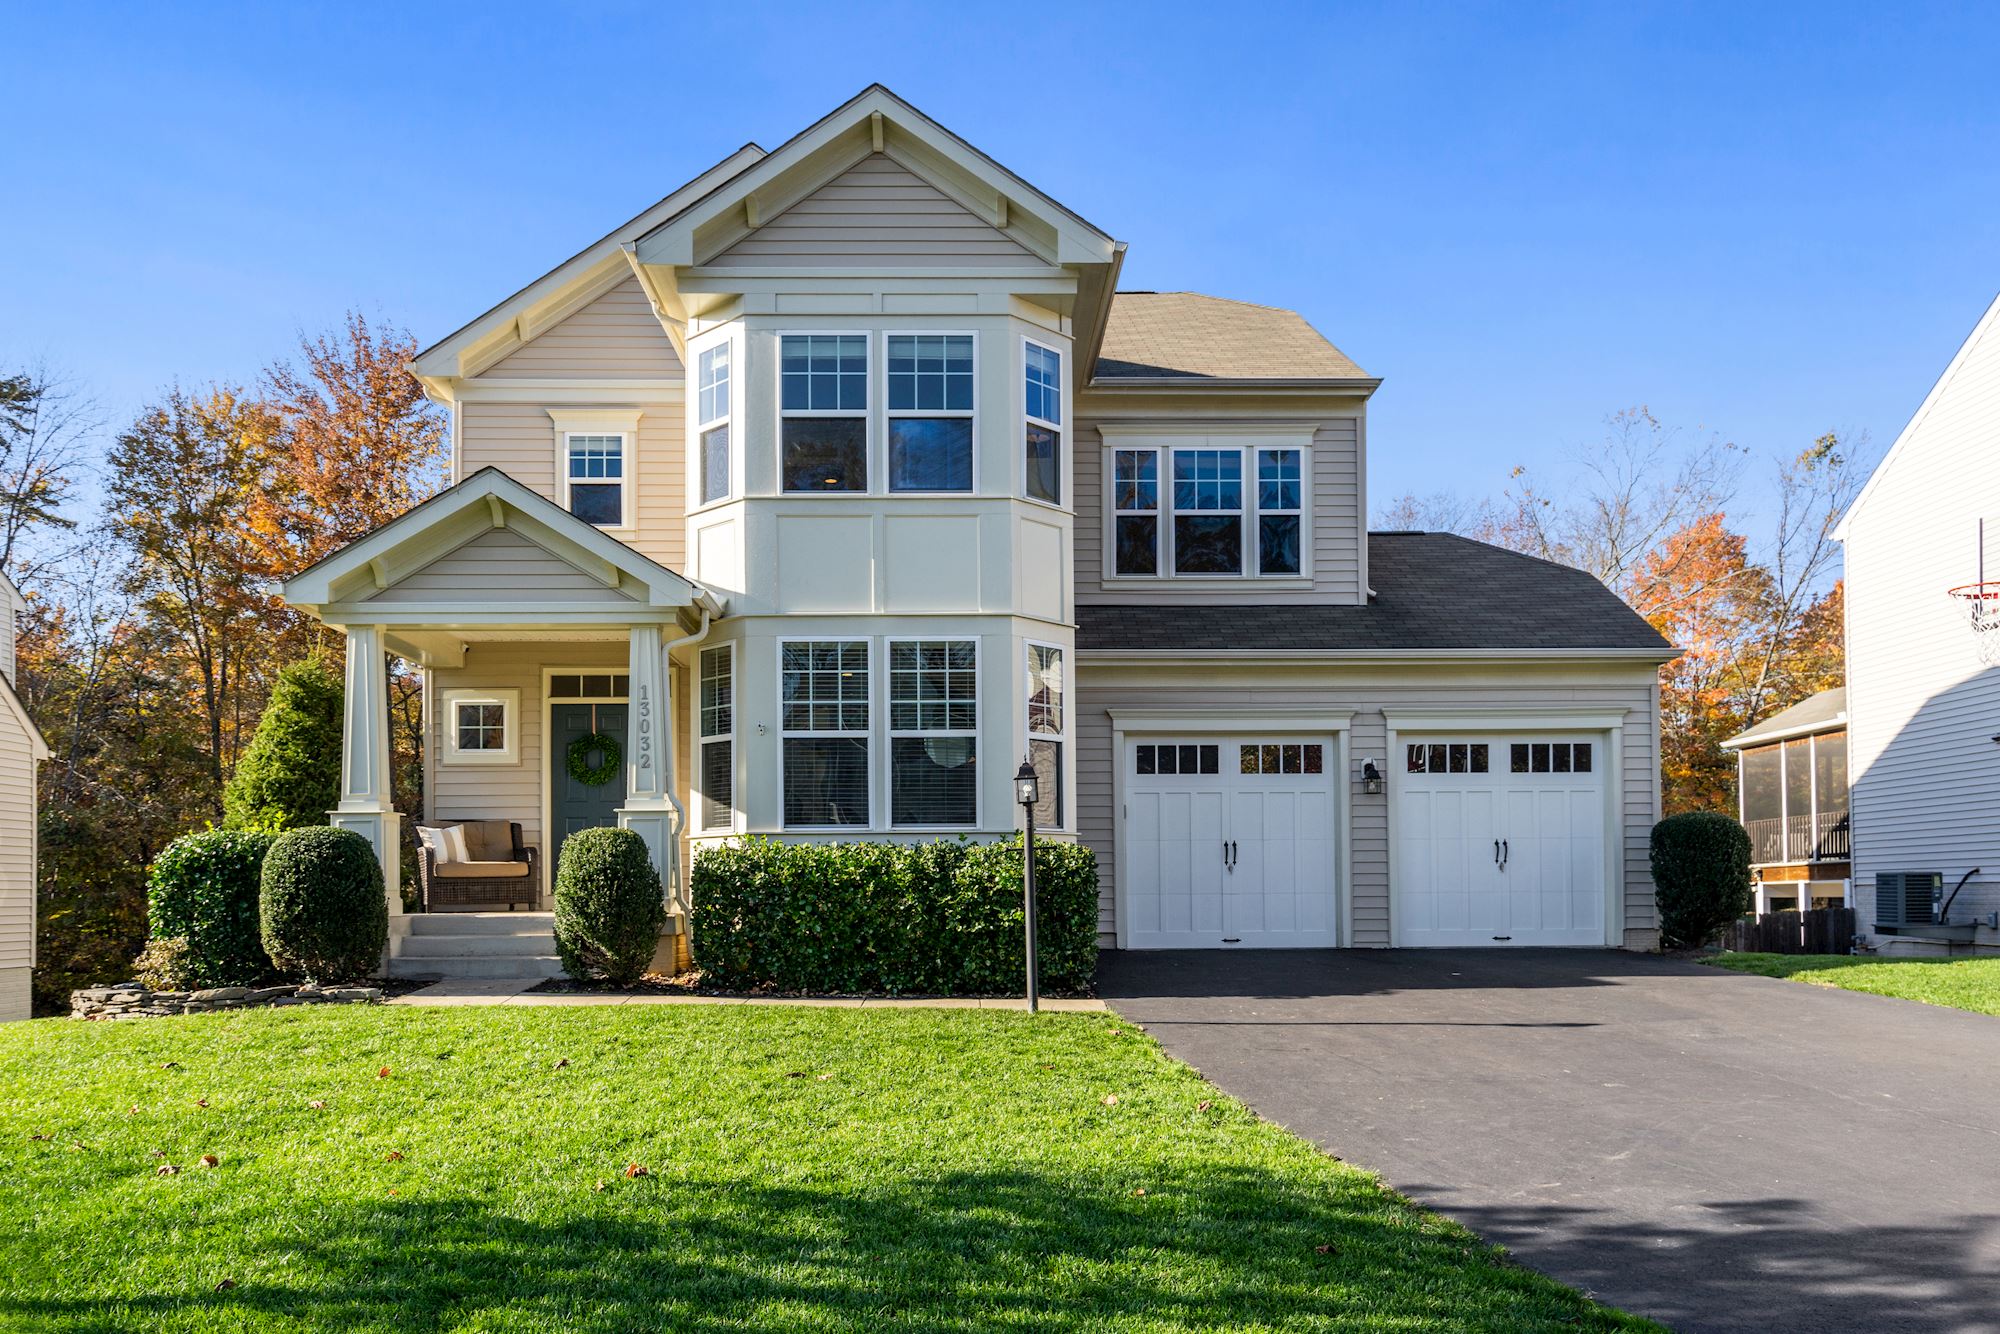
(1539, 718)
(867, 735)
(1164, 441)
(1231, 720)
(1749, 740)
(1064, 435)
(509, 700)
(726, 335)
(871, 476)
(546, 780)
(1067, 752)
(890, 415)
(890, 732)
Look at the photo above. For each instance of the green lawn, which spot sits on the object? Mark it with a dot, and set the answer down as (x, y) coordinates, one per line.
(1963, 984)
(805, 1169)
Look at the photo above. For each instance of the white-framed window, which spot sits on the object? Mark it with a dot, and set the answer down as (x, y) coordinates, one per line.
(594, 488)
(824, 720)
(1042, 431)
(823, 412)
(588, 685)
(479, 726)
(712, 422)
(930, 383)
(934, 733)
(715, 727)
(1048, 730)
(1207, 510)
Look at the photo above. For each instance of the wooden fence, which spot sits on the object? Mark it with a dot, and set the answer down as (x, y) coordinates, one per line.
(1818, 931)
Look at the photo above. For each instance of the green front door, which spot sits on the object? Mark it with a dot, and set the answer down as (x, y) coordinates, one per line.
(579, 805)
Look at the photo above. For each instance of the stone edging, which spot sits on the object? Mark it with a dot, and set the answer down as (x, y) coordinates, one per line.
(129, 1000)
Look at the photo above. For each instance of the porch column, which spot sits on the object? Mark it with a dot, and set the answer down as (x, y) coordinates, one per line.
(365, 804)
(648, 810)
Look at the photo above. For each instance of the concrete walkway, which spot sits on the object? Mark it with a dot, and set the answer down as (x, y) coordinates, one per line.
(516, 991)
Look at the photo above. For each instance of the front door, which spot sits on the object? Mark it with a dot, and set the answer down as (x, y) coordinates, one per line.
(579, 805)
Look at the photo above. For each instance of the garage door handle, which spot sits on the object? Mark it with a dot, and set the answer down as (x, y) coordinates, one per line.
(1506, 854)
(1225, 856)
(1496, 852)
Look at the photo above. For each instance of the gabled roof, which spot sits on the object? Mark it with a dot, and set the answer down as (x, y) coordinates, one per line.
(1824, 712)
(1185, 336)
(1433, 592)
(1987, 327)
(486, 500)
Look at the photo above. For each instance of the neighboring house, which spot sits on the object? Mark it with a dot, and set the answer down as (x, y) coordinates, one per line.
(1923, 690)
(1791, 793)
(844, 478)
(21, 748)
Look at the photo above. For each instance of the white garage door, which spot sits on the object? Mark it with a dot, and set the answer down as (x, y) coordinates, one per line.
(1229, 843)
(1499, 841)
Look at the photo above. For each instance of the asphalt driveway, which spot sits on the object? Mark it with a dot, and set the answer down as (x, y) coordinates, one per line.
(1718, 1152)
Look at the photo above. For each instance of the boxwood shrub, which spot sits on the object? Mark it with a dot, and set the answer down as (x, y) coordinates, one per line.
(1701, 876)
(940, 918)
(324, 914)
(204, 889)
(608, 905)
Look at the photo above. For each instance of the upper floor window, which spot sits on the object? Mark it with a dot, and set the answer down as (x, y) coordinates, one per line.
(595, 478)
(930, 412)
(712, 416)
(823, 412)
(1042, 432)
(1230, 511)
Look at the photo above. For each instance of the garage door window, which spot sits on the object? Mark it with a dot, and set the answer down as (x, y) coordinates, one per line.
(1456, 757)
(1549, 757)
(1284, 758)
(1184, 759)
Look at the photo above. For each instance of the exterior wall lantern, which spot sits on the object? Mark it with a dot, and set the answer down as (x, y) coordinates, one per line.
(1371, 778)
(1028, 791)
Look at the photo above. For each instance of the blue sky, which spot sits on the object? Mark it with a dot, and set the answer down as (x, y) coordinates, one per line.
(1764, 220)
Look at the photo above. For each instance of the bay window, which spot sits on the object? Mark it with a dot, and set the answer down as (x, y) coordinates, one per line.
(1207, 511)
(934, 732)
(1047, 731)
(1042, 433)
(716, 729)
(930, 381)
(823, 720)
(712, 419)
(823, 412)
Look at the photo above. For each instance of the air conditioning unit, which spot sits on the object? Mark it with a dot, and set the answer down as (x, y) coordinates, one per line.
(1907, 898)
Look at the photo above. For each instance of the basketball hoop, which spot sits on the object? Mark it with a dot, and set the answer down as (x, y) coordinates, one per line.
(1981, 604)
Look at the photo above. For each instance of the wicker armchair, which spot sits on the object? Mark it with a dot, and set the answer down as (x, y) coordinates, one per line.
(477, 865)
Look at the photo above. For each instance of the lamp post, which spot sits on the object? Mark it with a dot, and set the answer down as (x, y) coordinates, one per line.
(1028, 791)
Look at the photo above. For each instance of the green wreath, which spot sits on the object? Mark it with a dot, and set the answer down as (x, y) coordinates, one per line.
(594, 775)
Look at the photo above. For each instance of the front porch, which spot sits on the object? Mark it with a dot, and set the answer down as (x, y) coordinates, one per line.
(532, 631)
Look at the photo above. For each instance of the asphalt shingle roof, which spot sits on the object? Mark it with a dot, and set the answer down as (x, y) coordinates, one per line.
(1432, 591)
(1826, 707)
(1185, 335)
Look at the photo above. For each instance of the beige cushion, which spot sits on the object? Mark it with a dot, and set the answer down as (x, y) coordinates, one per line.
(488, 840)
(480, 870)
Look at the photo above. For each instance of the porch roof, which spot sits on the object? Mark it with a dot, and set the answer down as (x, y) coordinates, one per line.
(491, 557)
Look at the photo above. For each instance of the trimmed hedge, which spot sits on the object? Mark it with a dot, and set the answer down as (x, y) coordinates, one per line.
(609, 908)
(204, 889)
(290, 775)
(941, 918)
(1701, 876)
(325, 917)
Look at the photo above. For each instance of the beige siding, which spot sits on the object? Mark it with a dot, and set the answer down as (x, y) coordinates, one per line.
(1924, 773)
(876, 211)
(616, 337)
(17, 844)
(501, 566)
(520, 440)
(1631, 692)
(1338, 521)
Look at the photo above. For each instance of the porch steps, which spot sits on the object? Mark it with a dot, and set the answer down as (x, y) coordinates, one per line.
(476, 946)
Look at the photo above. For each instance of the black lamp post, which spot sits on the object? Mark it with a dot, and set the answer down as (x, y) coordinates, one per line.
(1028, 791)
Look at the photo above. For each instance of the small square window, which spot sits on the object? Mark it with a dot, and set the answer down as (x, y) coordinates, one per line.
(1580, 757)
(479, 726)
(1517, 757)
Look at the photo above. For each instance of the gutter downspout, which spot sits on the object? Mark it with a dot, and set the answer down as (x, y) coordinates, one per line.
(709, 609)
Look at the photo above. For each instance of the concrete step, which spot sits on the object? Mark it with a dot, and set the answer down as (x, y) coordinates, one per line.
(524, 945)
(481, 923)
(535, 966)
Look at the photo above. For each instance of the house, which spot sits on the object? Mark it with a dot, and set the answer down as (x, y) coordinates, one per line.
(21, 749)
(1791, 792)
(845, 477)
(1922, 547)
